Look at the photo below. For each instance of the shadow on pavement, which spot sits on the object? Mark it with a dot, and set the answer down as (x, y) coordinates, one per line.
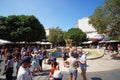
(96, 78)
(45, 72)
(14, 78)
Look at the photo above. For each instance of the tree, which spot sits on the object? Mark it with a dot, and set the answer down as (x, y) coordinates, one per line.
(3, 28)
(22, 28)
(99, 20)
(112, 9)
(56, 36)
(75, 34)
(106, 18)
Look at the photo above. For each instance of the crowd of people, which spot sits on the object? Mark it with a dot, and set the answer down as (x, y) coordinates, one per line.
(31, 56)
(23, 58)
(75, 58)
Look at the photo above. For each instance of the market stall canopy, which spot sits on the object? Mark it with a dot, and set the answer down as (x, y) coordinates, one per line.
(110, 41)
(4, 41)
(99, 37)
(88, 42)
(43, 43)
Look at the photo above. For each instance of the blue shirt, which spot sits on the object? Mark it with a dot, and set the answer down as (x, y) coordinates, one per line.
(83, 59)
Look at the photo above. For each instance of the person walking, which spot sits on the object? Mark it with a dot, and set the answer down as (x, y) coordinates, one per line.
(73, 64)
(24, 72)
(118, 47)
(83, 65)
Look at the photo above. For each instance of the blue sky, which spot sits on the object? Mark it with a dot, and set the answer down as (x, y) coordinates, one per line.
(51, 13)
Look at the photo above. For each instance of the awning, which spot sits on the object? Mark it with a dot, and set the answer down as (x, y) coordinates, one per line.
(88, 42)
(4, 41)
(44, 43)
(110, 41)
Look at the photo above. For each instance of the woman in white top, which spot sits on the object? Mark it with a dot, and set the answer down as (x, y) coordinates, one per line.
(73, 63)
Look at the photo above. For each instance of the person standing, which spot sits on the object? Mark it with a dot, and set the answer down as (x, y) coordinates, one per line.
(35, 62)
(118, 46)
(64, 55)
(73, 64)
(57, 75)
(17, 59)
(41, 57)
(53, 66)
(24, 72)
(9, 66)
(83, 65)
(44, 51)
(2, 51)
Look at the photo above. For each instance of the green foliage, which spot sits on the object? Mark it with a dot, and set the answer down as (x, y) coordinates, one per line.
(21, 28)
(107, 18)
(56, 35)
(99, 20)
(75, 34)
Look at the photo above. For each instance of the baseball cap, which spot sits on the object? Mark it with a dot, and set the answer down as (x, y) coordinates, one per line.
(26, 59)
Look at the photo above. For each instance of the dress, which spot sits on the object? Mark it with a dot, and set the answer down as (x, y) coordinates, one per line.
(24, 74)
(35, 61)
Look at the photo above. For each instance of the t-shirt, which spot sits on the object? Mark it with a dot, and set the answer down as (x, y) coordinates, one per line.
(24, 74)
(57, 74)
(83, 59)
(10, 63)
(72, 61)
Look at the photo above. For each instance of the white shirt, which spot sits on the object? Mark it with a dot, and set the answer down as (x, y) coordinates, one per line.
(24, 74)
(72, 62)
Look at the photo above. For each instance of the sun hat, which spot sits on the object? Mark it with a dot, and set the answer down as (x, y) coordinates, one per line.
(26, 59)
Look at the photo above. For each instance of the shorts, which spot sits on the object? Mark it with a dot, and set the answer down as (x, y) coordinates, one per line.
(83, 71)
(73, 72)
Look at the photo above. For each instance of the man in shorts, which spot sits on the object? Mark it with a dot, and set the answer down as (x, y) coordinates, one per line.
(83, 65)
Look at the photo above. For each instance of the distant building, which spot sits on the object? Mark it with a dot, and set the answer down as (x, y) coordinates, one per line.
(84, 25)
(47, 32)
(92, 34)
